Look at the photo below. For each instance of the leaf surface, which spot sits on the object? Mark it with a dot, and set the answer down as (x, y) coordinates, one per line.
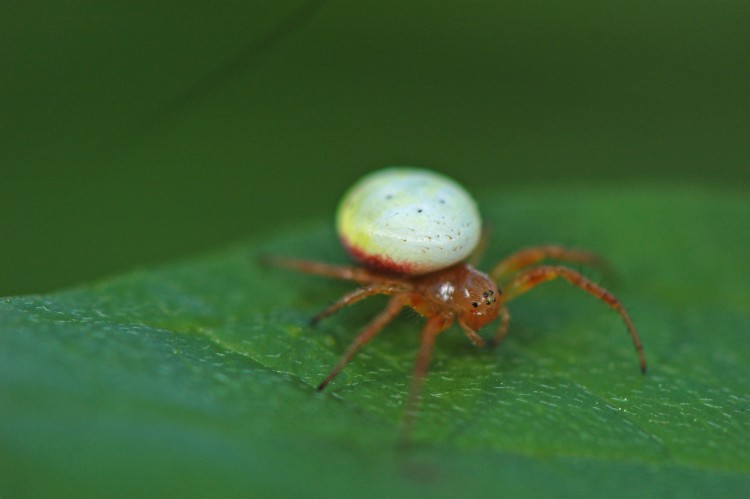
(198, 377)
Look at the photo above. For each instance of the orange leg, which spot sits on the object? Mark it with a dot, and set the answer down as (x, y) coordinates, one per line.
(434, 326)
(526, 280)
(530, 256)
(373, 328)
(503, 329)
(355, 296)
(346, 272)
(471, 334)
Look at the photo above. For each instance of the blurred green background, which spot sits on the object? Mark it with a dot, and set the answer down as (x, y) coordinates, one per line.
(134, 132)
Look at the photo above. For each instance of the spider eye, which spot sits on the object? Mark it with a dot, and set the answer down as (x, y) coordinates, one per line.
(474, 304)
(489, 297)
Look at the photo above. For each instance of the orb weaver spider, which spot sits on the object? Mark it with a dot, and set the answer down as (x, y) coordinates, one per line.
(412, 230)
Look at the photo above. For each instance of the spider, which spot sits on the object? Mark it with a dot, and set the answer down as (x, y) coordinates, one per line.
(413, 230)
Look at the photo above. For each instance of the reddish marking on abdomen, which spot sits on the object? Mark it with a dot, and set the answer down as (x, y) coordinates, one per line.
(377, 262)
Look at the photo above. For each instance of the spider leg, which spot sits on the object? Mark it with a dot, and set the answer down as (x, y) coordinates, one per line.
(503, 329)
(371, 330)
(526, 280)
(434, 326)
(471, 334)
(530, 256)
(345, 272)
(355, 296)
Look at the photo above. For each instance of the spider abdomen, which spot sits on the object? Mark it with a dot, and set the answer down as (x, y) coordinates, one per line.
(409, 221)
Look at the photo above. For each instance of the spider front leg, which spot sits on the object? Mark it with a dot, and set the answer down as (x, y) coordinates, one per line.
(502, 330)
(530, 256)
(526, 280)
(471, 334)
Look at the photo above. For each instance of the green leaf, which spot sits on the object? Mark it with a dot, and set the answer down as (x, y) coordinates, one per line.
(197, 378)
